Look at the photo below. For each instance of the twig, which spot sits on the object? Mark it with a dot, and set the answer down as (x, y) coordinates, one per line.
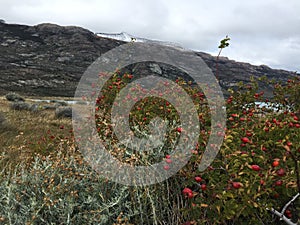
(281, 214)
(290, 202)
(282, 217)
(153, 207)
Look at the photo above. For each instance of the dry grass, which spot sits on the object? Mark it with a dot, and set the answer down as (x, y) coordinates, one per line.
(26, 133)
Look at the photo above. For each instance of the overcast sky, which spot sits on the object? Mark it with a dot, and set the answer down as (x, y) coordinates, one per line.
(261, 31)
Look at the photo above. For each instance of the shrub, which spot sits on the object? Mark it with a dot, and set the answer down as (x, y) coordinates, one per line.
(242, 185)
(257, 168)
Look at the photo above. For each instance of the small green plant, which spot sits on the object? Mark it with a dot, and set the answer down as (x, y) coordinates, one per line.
(223, 44)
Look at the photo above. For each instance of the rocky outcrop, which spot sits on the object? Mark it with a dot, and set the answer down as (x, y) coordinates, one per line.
(48, 60)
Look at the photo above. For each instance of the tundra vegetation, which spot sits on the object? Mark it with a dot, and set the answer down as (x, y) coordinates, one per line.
(253, 180)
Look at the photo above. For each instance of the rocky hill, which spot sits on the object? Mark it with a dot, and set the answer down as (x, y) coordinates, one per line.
(48, 60)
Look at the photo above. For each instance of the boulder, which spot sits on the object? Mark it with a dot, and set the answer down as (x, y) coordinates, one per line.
(2, 118)
(14, 97)
(63, 112)
(20, 106)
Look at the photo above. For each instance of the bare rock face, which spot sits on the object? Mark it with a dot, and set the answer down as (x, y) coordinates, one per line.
(49, 60)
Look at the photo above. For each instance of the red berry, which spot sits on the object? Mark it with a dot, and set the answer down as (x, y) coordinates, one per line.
(198, 179)
(168, 156)
(220, 134)
(187, 223)
(190, 195)
(255, 167)
(166, 167)
(203, 187)
(188, 192)
(278, 183)
(288, 213)
(179, 129)
(210, 168)
(236, 185)
(275, 163)
(280, 172)
(245, 140)
(248, 134)
(168, 160)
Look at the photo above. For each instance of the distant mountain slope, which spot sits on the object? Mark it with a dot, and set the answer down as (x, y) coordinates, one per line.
(48, 60)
